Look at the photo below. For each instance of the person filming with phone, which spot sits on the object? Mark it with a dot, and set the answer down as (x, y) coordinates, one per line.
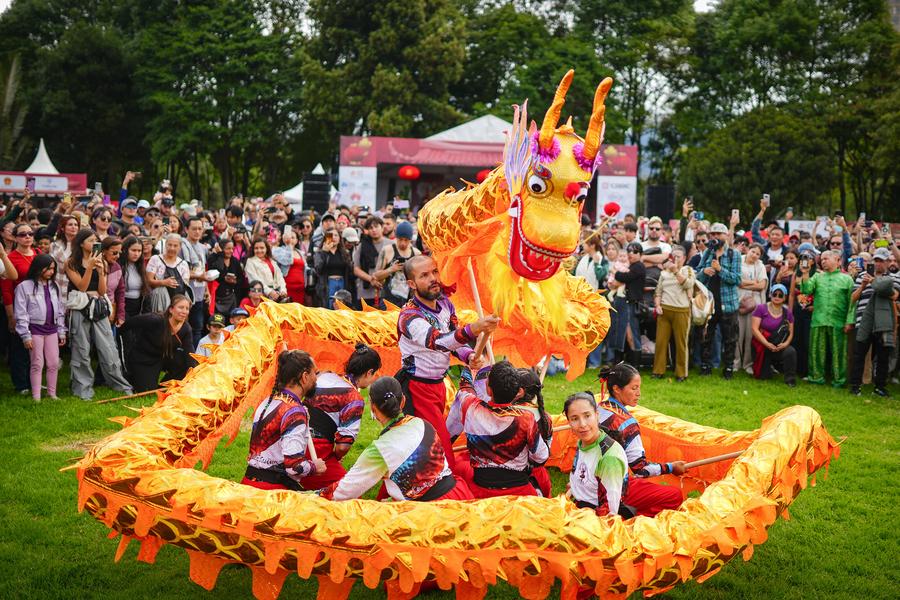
(874, 292)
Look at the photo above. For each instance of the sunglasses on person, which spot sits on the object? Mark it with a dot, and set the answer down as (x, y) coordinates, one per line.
(25, 234)
(778, 294)
(836, 243)
(656, 229)
(103, 218)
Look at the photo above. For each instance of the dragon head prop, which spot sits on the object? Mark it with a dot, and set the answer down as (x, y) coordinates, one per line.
(548, 174)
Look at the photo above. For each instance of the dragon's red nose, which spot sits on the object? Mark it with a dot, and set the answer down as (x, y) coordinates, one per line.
(572, 189)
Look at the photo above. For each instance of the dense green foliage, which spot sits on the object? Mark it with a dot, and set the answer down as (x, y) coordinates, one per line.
(838, 544)
(245, 95)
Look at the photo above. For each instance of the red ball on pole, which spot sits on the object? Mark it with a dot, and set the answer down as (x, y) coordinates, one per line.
(611, 209)
(482, 175)
(409, 172)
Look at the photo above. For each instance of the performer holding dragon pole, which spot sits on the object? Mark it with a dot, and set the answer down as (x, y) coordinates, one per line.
(279, 440)
(335, 412)
(428, 334)
(506, 440)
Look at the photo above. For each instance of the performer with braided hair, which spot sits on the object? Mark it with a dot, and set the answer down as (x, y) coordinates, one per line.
(407, 455)
(624, 386)
(505, 438)
(335, 412)
(278, 442)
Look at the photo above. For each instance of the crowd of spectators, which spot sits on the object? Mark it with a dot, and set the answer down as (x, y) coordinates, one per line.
(128, 290)
(808, 305)
(136, 287)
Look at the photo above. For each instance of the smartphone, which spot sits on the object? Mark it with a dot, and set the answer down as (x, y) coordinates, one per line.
(736, 214)
(165, 220)
(29, 185)
(97, 247)
(766, 200)
(870, 269)
(804, 263)
(862, 216)
(860, 262)
(698, 215)
(881, 243)
(98, 188)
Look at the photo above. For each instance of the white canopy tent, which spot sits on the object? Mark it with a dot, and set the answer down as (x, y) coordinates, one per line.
(486, 130)
(42, 165)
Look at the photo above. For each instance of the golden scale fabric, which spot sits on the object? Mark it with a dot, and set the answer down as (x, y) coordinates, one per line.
(141, 483)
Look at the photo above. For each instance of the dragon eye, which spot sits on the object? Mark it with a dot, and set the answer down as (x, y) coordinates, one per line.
(537, 185)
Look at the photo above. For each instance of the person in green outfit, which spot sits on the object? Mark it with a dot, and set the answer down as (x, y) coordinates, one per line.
(832, 318)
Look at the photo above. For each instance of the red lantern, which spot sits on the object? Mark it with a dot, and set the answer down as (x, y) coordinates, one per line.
(409, 172)
(611, 209)
(482, 175)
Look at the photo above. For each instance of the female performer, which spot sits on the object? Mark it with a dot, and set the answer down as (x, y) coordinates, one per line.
(598, 473)
(506, 440)
(279, 440)
(407, 455)
(624, 384)
(335, 410)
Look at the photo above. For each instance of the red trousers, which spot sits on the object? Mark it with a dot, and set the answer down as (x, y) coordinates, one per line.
(463, 470)
(428, 401)
(460, 492)
(520, 490)
(649, 498)
(334, 470)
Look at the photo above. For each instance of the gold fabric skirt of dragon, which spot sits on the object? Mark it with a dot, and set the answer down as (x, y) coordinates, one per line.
(141, 483)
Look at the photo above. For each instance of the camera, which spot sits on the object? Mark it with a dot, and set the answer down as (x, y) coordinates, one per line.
(713, 244)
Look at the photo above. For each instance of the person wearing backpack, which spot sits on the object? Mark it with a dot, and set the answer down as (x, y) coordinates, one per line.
(390, 265)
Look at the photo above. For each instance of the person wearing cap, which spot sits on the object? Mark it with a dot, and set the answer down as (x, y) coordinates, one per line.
(215, 336)
(390, 265)
(874, 293)
(325, 226)
(236, 317)
(128, 209)
(720, 271)
(832, 317)
(772, 325)
(633, 279)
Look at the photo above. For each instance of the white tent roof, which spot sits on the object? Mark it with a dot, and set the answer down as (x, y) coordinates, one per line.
(487, 129)
(42, 164)
(295, 194)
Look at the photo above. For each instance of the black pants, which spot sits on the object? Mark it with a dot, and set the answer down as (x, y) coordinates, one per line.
(197, 319)
(19, 363)
(881, 356)
(785, 361)
(728, 325)
(144, 378)
(802, 324)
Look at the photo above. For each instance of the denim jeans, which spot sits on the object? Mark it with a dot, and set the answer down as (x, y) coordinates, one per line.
(334, 284)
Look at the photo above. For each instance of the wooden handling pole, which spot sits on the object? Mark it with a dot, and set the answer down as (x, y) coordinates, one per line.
(477, 297)
(712, 459)
(546, 366)
(128, 397)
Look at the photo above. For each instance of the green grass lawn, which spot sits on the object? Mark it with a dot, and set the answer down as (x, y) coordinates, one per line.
(841, 542)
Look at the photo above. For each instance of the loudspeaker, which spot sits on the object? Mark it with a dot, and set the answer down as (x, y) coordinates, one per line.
(661, 202)
(316, 192)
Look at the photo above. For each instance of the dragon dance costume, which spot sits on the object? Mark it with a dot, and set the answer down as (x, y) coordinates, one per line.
(504, 442)
(646, 497)
(409, 457)
(598, 475)
(335, 412)
(278, 443)
(427, 337)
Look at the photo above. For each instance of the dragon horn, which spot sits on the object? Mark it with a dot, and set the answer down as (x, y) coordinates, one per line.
(594, 136)
(552, 116)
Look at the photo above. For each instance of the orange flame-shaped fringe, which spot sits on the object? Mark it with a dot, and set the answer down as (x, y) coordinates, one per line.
(140, 482)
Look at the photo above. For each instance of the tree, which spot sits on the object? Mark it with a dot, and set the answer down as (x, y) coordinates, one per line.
(768, 150)
(381, 68)
(219, 86)
(12, 113)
